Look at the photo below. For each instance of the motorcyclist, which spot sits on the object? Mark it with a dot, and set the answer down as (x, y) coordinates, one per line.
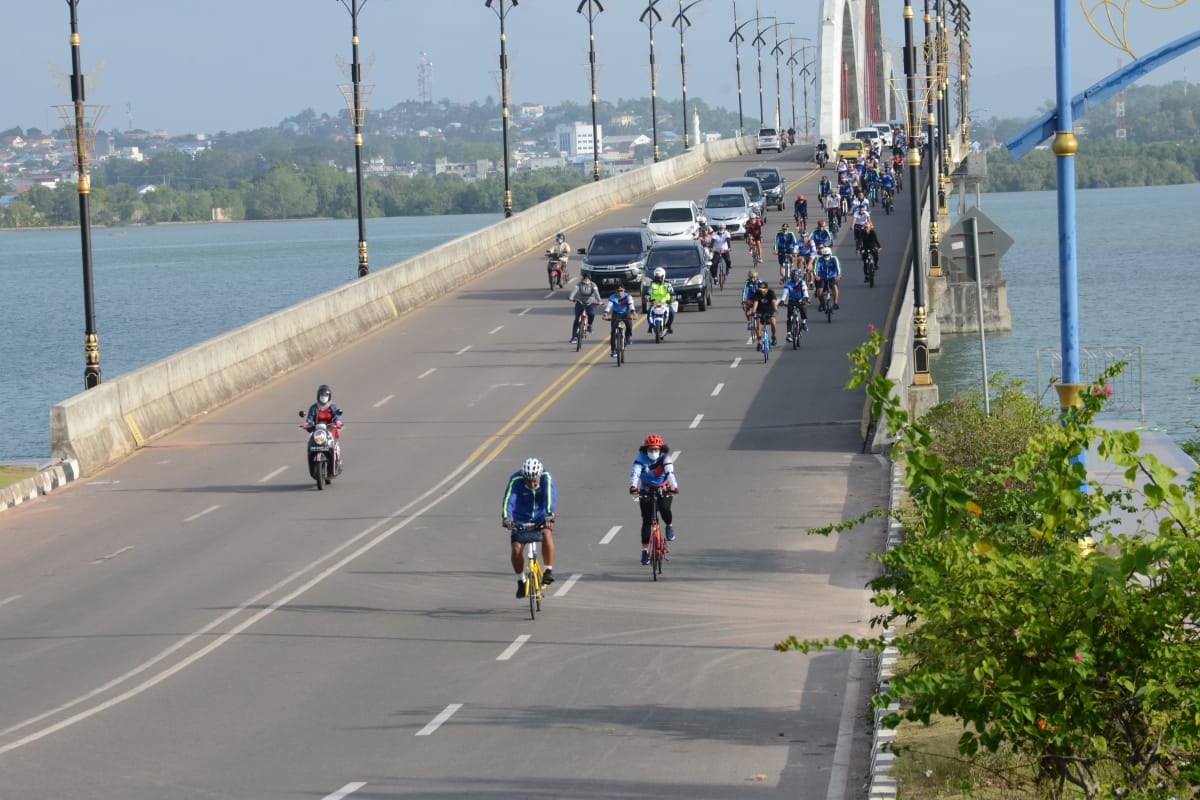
(822, 152)
(661, 292)
(560, 251)
(326, 411)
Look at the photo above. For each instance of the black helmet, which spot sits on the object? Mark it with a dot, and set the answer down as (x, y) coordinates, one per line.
(324, 394)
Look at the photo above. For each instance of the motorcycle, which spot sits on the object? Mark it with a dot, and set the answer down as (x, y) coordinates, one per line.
(556, 270)
(324, 451)
(658, 316)
(822, 158)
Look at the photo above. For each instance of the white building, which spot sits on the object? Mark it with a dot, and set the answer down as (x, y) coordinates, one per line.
(576, 140)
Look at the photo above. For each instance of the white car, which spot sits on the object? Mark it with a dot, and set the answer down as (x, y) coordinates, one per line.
(768, 139)
(674, 219)
(885, 133)
(728, 206)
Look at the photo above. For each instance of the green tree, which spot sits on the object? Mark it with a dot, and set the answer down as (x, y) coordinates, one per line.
(1083, 660)
(283, 193)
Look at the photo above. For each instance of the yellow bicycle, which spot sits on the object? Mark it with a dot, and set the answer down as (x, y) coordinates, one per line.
(530, 535)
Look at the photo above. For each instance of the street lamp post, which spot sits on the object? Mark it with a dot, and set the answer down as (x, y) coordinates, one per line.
(356, 95)
(736, 37)
(760, 42)
(962, 23)
(943, 106)
(935, 257)
(593, 8)
(649, 17)
(683, 22)
(502, 7)
(792, 64)
(81, 121)
(921, 376)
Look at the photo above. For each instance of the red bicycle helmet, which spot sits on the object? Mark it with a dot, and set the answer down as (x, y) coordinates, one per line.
(653, 440)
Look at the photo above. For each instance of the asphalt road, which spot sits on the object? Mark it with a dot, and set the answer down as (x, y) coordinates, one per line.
(200, 622)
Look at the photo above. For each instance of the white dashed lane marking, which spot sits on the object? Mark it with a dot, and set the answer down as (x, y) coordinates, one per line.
(200, 514)
(696, 421)
(566, 587)
(345, 791)
(512, 649)
(495, 329)
(526, 311)
(12, 599)
(465, 349)
(384, 401)
(441, 718)
(608, 537)
(717, 390)
(736, 361)
(270, 475)
(426, 372)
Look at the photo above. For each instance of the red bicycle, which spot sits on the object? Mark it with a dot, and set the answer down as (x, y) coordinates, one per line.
(658, 542)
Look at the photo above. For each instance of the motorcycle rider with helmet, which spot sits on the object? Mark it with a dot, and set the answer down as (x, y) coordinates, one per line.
(661, 292)
(560, 251)
(529, 499)
(326, 411)
(652, 469)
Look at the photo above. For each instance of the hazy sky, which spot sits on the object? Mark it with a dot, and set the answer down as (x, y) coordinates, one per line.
(192, 66)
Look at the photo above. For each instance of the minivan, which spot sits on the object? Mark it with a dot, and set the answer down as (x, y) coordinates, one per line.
(772, 184)
(617, 256)
(869, 136)
(754, 190)
(674, 219)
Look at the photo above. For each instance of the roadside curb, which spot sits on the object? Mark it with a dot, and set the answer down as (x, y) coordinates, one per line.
(882, 785)
(45, 481)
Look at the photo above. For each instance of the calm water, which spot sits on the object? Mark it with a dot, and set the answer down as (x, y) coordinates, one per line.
(161, 289)
(1128, 240)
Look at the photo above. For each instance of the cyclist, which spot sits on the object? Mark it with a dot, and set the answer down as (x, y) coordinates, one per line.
(720, 250)
(528, 500)
(785, 240)
(800, 213)
(821, 237)
(887, 186)
(326, 411)
(795, 294)
(749, 294)
(804, 252)
(653, 469)
(754, 234)
(823, 188)
(869, 243)
(832, 208)
(586, 296)
(620, 307)
(862, 215)
(765, 306)
(704, 235)
(828, 271)
(661, 292)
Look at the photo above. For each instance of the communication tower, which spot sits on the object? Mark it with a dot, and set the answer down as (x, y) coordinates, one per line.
(1120, 110)
(425, 79)
(129, 114)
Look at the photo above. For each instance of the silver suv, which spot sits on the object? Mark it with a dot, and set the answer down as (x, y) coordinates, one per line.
(768, 139)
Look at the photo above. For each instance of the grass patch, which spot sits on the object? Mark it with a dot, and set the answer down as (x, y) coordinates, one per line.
(11, 474)
(929, 767)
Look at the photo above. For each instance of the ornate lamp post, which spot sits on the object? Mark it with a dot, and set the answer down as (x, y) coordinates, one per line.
(356, 95)
(736, 37)
(931, 79)
(593, 8)
(792, 63)
(962, 24)
(502, 7)
(921, 376)
(80, 121)
(943, 95)
(683, 22)
(760, 41)
(649, 17)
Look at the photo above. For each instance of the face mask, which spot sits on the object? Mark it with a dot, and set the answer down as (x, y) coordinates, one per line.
(323, 399)
(652, 454)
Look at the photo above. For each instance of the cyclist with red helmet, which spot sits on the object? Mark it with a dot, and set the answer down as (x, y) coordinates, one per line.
(652, 469)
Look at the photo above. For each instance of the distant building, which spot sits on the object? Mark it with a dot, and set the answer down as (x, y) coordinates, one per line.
(531, 111)
(576, 140)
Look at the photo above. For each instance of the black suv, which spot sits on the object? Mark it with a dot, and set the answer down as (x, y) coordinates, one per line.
(617, 256)
(687, 272)
(772, 184)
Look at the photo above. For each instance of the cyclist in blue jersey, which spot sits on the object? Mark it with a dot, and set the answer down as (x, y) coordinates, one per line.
(529, 499)
(795, 294)
(821, 237)
(828, 271)
(785, 241)
(749, 294)
(653, 468)
(620, 307)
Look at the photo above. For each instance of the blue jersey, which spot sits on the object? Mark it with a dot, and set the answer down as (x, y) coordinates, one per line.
(525, 505)
(821, 237)
(887, 180)
(751, 289)
(618, 305)
(795, 291)
(829, 267)
(784, 241)
(652, 474)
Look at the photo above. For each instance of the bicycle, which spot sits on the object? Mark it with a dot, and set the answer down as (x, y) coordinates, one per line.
(658, 543)
(870, 266)
(755, 246)
(794, 324)
(620, 332)
(887, 201)
(722, 271)
(581, 326)
(764, 337)
(531, 536)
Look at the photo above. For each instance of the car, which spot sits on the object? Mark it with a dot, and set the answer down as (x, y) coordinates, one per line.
(728, 206)
(851, 150)
(772, 183)
(687, 272)
(754, 190)
(616, 257)
(885, 133)
(674, 219)
(868, 135)
(768, 139)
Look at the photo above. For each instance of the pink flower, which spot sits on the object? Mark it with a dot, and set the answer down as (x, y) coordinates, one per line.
(870, 328)
(1078, 657)
(1107, 390)
(1008, 484)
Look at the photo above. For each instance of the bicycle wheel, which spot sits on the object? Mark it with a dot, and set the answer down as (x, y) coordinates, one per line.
(531, 586)
(829, 306)
(581, 331)
(721, 279)
(795, 330)
(655, 552)
(658, 331)
(766, 343)
(871, 274)
(620, 344)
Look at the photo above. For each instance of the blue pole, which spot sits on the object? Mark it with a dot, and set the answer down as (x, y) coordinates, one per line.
(1064, 147)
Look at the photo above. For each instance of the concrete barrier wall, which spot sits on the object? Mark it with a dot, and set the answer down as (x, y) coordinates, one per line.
(111, 421)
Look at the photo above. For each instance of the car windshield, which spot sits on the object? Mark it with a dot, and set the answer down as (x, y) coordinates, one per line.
(615, 246)
(671, 215)
(765, 176)
(767, 132)
(724, 201)
(749, 186)
(679, 263)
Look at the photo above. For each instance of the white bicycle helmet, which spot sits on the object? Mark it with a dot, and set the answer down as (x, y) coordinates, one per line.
(660, 274)
(531, 470)
(825, 251)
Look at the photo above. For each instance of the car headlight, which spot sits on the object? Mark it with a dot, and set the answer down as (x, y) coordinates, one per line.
(696, 280)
